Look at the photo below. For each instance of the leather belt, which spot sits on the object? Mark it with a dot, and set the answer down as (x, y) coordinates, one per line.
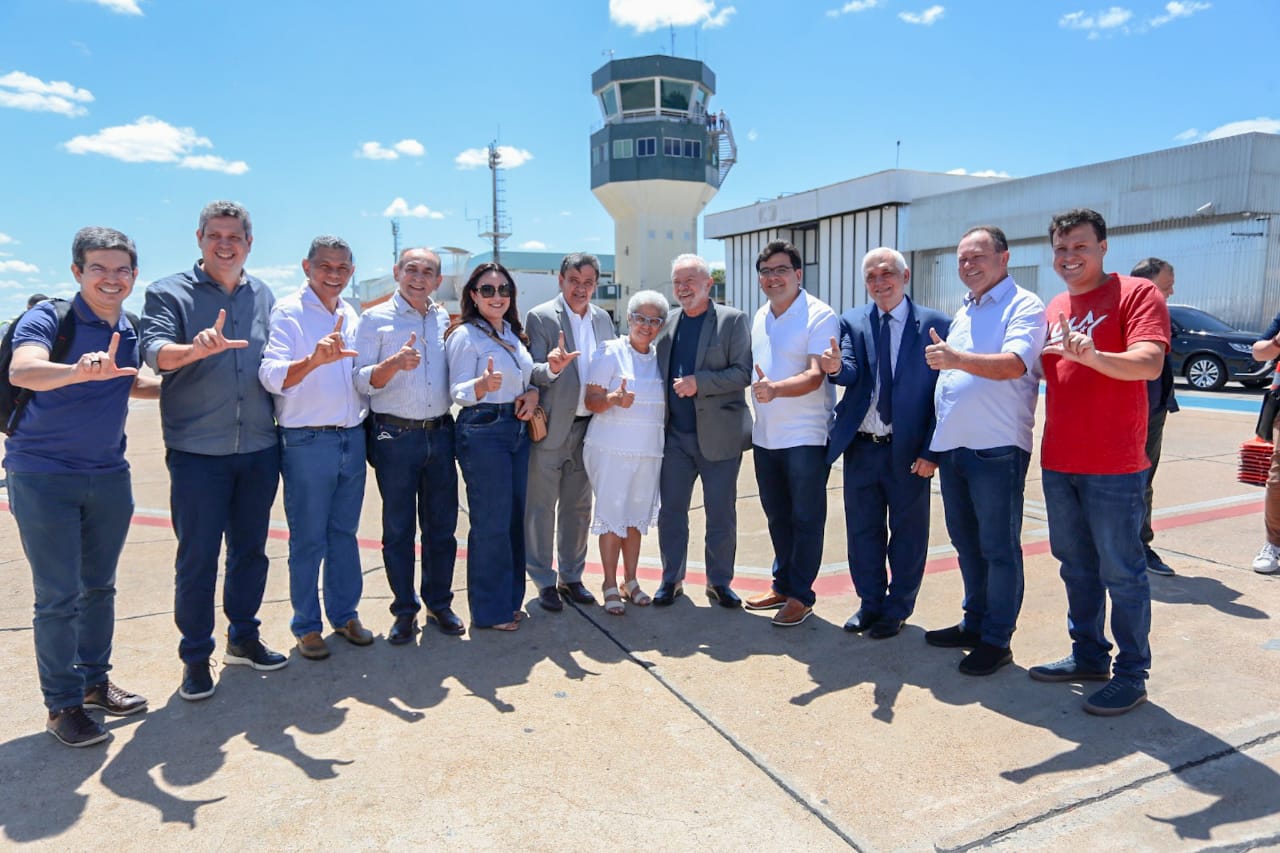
(408, 423)
(327, 428)
(875, 439)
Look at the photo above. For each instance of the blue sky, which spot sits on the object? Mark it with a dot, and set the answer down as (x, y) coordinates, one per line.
(323, 115)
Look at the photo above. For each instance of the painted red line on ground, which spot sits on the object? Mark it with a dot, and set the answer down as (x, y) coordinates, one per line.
(832, 584)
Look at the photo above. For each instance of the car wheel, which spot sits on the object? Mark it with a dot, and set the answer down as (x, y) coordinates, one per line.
(1206, 373)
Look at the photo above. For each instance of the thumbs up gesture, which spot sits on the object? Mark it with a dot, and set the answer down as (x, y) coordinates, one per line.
(490, 380)
(332, 346)
(407, 357)
(558, 359)
(622, 397)
(829, 361)
(939, 355)
(763, 389)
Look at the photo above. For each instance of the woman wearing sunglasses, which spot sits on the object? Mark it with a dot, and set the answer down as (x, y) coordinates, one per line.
(489, 368)
(623, 447)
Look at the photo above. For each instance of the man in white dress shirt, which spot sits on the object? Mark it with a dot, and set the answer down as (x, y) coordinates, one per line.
(320, 414)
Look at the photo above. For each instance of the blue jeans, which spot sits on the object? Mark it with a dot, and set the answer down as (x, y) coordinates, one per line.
(1094, 522)
(982, 499)
(682, 464)
(793, 493)
(211, 497)
(493, 451)
(72, 527)
(324, 473)
(418, 482)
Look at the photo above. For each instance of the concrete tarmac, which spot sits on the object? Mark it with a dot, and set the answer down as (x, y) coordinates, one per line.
(687, 728)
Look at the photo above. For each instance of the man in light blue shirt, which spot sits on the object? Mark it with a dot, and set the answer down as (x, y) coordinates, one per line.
(306, 368)
(403, 368)
(985, 402)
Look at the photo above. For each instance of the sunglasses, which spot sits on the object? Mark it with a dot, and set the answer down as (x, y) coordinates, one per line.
(488, 291)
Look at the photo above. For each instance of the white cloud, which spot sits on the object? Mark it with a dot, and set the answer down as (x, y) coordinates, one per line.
(925, 18)
(376, 150)
(853, 7)
(212, 163)
(5, 239)
(1175, 10)
(1234, 128)
(475, 158)
(23, 92)
(984, 173)
(18, 267)
(151, 140)
(1188, 135)
(752, 136)
(1117, 17)
(400, 207)
(12, 284)
(566, 213)
(533, 245)
(283, 279)
(410, 148)
(120, 7)
(647, 15)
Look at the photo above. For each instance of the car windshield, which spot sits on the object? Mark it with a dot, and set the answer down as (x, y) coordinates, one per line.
(1195, 320)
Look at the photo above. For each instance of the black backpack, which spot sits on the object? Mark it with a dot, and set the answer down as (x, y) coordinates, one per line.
(12, 399)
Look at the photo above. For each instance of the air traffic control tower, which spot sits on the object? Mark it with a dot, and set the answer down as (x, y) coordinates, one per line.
(659, 158)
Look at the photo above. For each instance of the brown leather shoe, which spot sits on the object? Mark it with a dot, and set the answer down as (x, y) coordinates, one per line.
(792, 613)
(312, 646)
(355, 633)
(765, 601)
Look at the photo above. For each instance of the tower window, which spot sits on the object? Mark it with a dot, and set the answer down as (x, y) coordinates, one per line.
(621, 149)
(671, 147)
(647, 147)
(693, 148)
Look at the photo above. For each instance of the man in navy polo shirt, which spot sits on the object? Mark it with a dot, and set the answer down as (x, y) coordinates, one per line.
(69, 487)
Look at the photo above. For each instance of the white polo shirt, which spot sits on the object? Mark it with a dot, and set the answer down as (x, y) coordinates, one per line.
(782, 347)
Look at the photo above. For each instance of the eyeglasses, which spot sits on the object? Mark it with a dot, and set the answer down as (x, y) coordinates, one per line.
(646, 320)
(775, 272)
(488, 290)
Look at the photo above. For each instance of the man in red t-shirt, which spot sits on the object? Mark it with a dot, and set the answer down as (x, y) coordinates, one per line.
(1107, 337)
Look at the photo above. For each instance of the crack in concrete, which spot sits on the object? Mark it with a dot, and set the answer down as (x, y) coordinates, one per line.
(1106, 795)
(750, 755)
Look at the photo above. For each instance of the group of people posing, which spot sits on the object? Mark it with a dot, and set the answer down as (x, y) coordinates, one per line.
(563, 429)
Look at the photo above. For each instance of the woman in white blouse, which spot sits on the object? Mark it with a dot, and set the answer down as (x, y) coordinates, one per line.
(623, 449)
(489, 368)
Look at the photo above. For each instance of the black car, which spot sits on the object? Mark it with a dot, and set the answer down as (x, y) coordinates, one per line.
(1209, 351)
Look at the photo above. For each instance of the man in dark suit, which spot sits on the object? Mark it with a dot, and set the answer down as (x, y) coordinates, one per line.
(884, 438)
(705, 358)
(563, 336)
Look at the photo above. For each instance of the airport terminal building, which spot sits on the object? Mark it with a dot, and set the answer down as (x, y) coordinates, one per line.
(1208, 208)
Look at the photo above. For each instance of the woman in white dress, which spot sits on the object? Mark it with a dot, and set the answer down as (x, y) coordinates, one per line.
(623, 447)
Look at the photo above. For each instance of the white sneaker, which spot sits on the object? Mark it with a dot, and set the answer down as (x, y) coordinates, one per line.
(1268, 560)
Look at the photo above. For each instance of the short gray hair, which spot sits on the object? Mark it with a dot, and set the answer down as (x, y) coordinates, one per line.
(96, 238)
(432, 252)
(231, 209)
(650, 298)
(578, 260)
(690, 258)
(899, 262)
(328, 241)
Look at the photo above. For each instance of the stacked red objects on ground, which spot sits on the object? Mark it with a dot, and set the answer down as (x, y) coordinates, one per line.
(1255, 461)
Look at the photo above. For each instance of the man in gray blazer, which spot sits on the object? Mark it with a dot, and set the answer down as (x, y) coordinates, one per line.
(704, 354)
(564, 334)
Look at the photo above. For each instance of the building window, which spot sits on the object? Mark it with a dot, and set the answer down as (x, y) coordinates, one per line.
(693, 148)
(647, 147)
(609, 98)
(671, 235)
(637, 95)
(671, 147)
(621, 149)
(595, 155)
(675, 95)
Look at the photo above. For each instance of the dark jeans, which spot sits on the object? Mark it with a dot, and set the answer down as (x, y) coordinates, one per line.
(1155, 440)
(982, 500)
(682, 464)
(793, 493)
(493, 452)
(211, 497)
(887, 520)
(418, 482)
(73, 527)
(1093, 531)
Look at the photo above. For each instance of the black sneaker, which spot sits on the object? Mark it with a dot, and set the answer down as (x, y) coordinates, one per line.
(253, 653)
(1118, 697)
(954, 637)
(985, 659)
(1067, 670)
(197, 681)
(111, 699)
(1157, 566)
(73, 727)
